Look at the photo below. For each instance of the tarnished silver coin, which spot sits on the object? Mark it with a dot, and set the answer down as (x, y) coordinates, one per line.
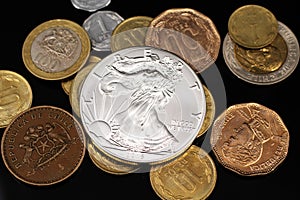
(142, 104)
(280, 74)
(100, 26)
(90, 5)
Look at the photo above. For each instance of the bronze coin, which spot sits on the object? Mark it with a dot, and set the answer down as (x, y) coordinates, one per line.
(250, 139)
(43, 145)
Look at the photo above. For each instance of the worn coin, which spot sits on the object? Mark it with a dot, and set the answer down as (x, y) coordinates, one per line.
(15, 96)
(99, 26)
(252, 26)
(90, 5)
(192, 175)
(188, 33)
(110, 164)
(210, 111)
(130, 32)
(56, 49)
(284, 71)
(43, 145)
(250, 139)
(142, 104)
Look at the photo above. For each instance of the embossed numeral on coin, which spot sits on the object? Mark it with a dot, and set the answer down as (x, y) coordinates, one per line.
(46, 61)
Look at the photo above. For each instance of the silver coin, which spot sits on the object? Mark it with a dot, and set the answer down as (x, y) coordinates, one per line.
(282, 73)
(90, 5)
(142, 105)
(99, 27)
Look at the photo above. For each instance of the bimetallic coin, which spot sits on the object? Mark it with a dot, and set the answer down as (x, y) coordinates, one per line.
(90, 5)
(192, 175)
(142, 105)
(108, 163)
(286, 69)
(188, 33)
(76, 87)
(43, 145)
(263, 60)
(250, 139)
(15, 96)
(56, 49)
(210, 111)
(99, 26)
(252, 26)
(130, 32)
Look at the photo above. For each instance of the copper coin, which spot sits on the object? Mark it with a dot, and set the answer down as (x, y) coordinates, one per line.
(43, 145)
(250, 139)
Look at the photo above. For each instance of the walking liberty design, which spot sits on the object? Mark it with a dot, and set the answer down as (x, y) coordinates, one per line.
(137, 89)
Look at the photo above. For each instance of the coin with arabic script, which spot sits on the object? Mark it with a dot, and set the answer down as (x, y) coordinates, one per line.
(142, 105)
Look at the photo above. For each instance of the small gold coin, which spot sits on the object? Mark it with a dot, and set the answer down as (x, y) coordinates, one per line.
(192, 175)
(250, 139)
(210, 111)
(263, 60)
(56, 49)
(108, 163)
(15, 96)
(130, 32)
(252, 26)
(66, 84)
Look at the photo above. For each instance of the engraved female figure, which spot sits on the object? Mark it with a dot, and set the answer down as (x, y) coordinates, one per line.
(149, 83)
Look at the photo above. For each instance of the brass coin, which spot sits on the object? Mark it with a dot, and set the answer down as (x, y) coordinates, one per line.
(66, 84)
(263, 60)
(250, 139)
(210, 111)
(43, 145)
(56, 49)
(192, 175)
(130, 32)
(76, 87)
(15, 96)
(252, 26)
(109, 164)
(188, 33)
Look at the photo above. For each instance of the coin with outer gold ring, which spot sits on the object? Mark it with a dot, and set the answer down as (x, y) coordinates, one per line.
(210, 112)
(130, 32)
(250, 139)
(15, 96)
(252, 26)
(43, 145)
(56, 49)
(192, 175)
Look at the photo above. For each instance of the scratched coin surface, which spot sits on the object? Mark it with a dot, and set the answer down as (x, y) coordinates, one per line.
(99, 26)
(15, 96)
(284, 71)
(43, 145)
(90, 5)
(130, 32)
(188, 33)
(252, 26)
(192, 175)
(56, 49)
(142, 105)
(108, 163)
(250, 139)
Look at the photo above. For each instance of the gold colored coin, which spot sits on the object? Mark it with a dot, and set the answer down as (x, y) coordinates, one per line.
(66, 84)
(130, 32)
(250, 139)
(263, 60)
(192, 175)
(15, 96)
(210, 111)
(93, 59)
(108, 163)
(76, 87)
(188, 33)
(252, 26)
(56, 49)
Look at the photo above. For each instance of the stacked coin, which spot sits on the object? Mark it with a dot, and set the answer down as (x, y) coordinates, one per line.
(258, 48)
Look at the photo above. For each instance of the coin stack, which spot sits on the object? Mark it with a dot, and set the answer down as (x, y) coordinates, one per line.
(258, 48)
